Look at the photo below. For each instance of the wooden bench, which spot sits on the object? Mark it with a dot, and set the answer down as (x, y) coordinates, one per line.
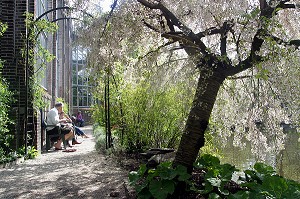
(48, 137)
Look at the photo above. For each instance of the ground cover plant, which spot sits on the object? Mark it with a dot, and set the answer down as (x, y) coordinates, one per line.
(211, 179)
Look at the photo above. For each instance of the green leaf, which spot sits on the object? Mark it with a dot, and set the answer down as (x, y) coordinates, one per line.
(239, 195)
(213, 173)
(213, 196)
(255, 13)
(251, 176)
(208, 188)
(226, 171)
(141, 187)
(264, 169)
(214, 182)
(142, 170)
(161, 189)
(133, 177)
(182, 173)
(207, 160)
(166, 171)
(144, 194)
(275, 186)
(164, 165)
(168, 174)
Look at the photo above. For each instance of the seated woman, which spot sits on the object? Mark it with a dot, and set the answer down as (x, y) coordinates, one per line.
(79, 119)
(78, 131)
(68, 125)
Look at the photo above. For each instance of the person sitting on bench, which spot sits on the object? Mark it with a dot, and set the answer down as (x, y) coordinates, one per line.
(53, 125)
(79, 119)
(69, 124)
(78, 131)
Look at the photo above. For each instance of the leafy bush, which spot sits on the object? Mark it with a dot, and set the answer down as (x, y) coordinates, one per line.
(5, 99)
(158, 183)
(215, 181)
(152, 117)
(263, 182)
(31, 152)
(216, 175)
(99, 134)
(259, 182)
(6, 157)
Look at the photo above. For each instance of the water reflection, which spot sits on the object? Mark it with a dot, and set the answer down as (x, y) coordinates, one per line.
(286, 161)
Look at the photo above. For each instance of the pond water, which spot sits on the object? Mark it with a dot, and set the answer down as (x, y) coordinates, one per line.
(286, 160)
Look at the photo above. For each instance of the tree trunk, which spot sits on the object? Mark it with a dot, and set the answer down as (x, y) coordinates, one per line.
(193, 136)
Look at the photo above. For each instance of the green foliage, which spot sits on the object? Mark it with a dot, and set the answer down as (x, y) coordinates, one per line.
(158, 183)
(263, 182)
(31, 152)
(66, 106)
(37, 52)
(5, 99)
(13, 155)
(99, 134)
(259, 182)
(3, 28)
(39, 93)
(211, 143)
(262, 73)
(153, 117)
(217, 175)
(6, 157)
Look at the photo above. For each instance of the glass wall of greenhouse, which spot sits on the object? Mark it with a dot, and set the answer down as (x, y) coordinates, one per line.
(82, 97)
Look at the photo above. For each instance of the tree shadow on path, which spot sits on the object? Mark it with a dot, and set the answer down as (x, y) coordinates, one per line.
(81, 174)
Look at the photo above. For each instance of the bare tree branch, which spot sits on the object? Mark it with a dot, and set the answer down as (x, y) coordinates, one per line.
(240, 77)
(157, 49)
(150, 26)
(172, 19)
(280, 41)
(263, 4)
(113, 6)
(227, 26)
(177, 36)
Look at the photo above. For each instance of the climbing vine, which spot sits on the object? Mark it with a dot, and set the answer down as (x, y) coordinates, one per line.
(5, 100)
(36, 51)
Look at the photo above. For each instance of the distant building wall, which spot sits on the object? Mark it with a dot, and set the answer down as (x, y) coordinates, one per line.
(12, 13)
(57, 82)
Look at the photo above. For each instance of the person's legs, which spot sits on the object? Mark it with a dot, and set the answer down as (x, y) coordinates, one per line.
(78, 131)
(85, 136)
(57, 145)
(55, 140)
(74, 141)
(81, 123)
(69, 135)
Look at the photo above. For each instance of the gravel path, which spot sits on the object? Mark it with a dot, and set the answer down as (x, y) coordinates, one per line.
(56, 174)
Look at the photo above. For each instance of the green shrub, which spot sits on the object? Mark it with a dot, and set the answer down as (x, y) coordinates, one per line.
(31, 152)
(99, 134)
(5, 99)
(157, 183)
(152, 117)
(216, 181)
(259, 182)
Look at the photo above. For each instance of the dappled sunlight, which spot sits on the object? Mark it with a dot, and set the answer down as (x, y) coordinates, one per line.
(84, 173)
